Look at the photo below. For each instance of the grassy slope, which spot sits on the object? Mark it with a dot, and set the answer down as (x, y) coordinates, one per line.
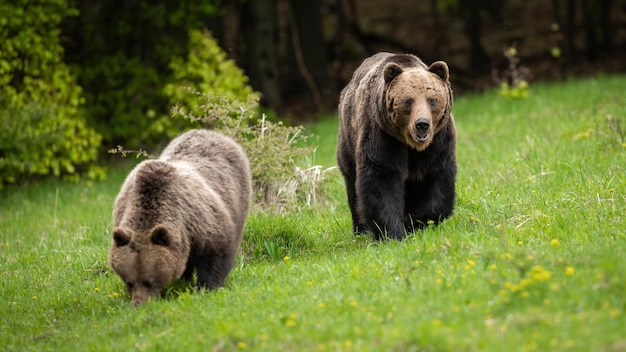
(532, 260)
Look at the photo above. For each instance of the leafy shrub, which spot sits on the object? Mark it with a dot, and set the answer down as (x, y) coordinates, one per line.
(120, 52)
(277, 152)
(35, 141)
(212, 92)
(43, 129)
(207, 70)
(514, 83)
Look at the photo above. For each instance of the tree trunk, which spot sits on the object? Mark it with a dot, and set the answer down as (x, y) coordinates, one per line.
(570, 33)
(259, 28)
(589, 11)
(605, 26)
(309, 74)
(471, 14)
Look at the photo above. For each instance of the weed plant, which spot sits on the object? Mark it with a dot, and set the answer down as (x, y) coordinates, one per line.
(532, 260)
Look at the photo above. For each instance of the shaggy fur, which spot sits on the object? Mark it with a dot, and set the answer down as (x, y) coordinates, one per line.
(397, 145)
(182, 212)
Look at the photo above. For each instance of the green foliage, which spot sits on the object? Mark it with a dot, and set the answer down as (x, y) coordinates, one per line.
(517, 91)
(43, 128)
(121, 56)
(207, 70)
(36, 141)
(514, 84)
(274, 149)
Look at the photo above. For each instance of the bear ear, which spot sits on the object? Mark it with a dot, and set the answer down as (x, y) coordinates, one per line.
(160, 236)
(120, 237)
(391, 70)
(440, 68)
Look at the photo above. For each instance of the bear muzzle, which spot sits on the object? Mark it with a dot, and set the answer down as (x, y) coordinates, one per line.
(422, 130)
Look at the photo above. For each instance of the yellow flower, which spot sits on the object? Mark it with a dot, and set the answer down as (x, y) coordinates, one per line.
(569, 271)
(538, 273)
(430, 222)
(286, 258)
(241, 345)
(291, 320)
(554, 242)
(511, 51)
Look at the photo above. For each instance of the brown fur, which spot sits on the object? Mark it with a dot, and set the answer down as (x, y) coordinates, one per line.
(182, 212)
(397, 142)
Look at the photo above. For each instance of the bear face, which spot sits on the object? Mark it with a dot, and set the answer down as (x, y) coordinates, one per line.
(147, 263)
(418, 102)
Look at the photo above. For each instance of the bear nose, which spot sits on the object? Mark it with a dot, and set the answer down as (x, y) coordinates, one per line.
(422, 125)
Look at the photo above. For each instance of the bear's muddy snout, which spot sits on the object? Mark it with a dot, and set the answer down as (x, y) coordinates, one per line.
(422, 128)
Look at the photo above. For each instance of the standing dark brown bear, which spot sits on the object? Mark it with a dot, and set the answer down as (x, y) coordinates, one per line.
(397, 145)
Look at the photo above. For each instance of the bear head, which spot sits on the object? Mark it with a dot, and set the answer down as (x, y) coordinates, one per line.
(147, 263)
(418, 102)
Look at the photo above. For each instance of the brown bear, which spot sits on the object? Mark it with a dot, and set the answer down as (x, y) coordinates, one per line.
(397, 145)
(182, 212)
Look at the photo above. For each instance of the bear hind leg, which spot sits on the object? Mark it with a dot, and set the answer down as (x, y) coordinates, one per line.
(429, 202)
(348, 170)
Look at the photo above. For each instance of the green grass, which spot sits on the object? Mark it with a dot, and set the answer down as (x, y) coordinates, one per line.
(533, 259)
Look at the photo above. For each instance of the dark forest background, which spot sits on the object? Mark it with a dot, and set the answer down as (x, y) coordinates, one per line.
(81, 76)
(299, 54)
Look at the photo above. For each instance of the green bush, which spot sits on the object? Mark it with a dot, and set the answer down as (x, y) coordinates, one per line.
(34, 141)
(121, 52)
(43, 128)
(277, 152)
(205, 71)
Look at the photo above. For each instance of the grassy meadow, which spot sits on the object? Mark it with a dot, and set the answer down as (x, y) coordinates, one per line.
(534, 258)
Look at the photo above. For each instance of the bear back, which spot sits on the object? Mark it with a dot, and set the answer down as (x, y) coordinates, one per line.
(222, 164)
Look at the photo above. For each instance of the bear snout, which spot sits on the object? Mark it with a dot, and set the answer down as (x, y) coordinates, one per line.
(422, 128)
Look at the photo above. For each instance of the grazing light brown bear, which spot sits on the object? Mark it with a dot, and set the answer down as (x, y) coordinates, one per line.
(182, 212)
(397, 145)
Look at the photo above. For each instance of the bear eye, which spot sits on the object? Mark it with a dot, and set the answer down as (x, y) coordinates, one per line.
(408, 103)
(129, 285)
(147, 284)
(432, 101)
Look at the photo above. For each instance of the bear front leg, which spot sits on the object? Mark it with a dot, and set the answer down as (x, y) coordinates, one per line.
(431, 199)
(213, 268)
(381, 202)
